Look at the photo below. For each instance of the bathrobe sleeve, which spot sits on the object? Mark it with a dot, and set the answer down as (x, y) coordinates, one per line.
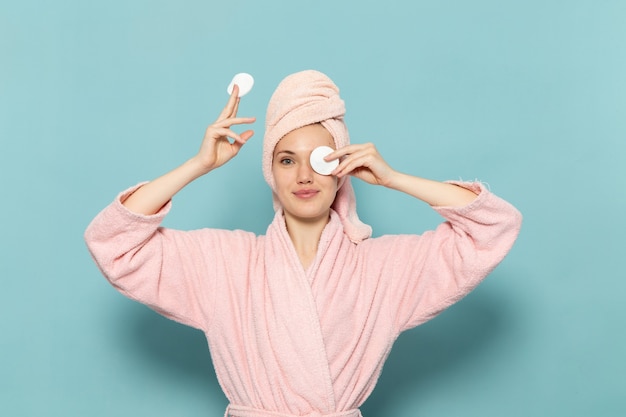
(432, 271)
(171, 271)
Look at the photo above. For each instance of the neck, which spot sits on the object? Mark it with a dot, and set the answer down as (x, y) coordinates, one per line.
(305, 235)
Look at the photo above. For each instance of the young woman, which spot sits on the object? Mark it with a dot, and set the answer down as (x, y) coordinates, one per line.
(300, 320)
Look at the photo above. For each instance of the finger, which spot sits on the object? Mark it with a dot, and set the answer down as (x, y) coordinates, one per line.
(341, 152)
(236, 109)
(224, 132)
(351, 159)
(213, 129)
(246, 135)
(237, 145)
(354, 152)
(234, 121)
(354, 162)
(230, 105)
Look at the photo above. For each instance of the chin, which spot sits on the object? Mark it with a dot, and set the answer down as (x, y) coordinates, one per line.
(308, 215)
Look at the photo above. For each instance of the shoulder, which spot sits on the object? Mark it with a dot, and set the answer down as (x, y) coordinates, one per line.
(388, 245)
(236, 236)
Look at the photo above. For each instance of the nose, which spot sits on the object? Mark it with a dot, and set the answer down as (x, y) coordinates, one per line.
(305, 173)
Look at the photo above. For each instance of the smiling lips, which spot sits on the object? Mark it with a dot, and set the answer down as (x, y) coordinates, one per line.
(306, 193)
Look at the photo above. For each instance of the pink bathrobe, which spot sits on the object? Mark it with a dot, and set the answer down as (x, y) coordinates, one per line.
(286, 341)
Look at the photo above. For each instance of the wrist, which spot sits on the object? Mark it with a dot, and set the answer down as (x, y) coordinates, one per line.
(394, 180)
(196, 167)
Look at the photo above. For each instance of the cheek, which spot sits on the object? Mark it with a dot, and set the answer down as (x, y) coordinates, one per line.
(280, 177)
(276, 178)
(331, 183)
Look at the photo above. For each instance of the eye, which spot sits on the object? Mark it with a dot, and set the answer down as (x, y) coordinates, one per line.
(286, 161)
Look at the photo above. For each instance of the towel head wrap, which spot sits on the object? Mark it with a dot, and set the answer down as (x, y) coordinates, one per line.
(302, 99)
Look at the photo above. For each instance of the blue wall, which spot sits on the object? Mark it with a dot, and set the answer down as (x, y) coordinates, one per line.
(529, 96)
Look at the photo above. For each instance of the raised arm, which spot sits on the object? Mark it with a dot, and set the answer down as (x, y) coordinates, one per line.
(428, 273)
(364, 162)
(215, 151)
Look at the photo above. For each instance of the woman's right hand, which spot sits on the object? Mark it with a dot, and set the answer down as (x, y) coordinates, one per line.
(215, 151)
(216, 148)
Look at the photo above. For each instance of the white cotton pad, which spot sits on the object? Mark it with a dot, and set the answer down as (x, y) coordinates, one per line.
(318, 163)
(244, 81)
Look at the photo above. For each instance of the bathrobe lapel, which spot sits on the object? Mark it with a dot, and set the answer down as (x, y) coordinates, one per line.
(292, 320)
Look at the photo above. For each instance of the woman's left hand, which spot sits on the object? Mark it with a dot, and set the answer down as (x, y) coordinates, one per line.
(364, 162)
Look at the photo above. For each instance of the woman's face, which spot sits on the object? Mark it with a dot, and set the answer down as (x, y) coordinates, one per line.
(304, 194)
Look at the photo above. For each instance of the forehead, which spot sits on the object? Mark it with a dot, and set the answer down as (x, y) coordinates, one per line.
(305, 138)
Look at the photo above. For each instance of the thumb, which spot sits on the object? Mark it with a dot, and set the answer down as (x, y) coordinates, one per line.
(246, 135)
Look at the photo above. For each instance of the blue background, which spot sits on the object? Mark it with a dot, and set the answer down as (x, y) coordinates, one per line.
(528, 96)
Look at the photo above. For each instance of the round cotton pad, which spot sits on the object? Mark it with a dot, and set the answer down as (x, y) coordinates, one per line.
(318, 163)
(244, 81)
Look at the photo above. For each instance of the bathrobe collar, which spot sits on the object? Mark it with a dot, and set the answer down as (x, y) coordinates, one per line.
(295, 315)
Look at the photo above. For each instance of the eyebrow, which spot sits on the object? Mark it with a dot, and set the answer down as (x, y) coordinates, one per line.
(285, 151)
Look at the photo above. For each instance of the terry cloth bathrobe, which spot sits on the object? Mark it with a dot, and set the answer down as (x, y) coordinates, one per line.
(286, 341)
(292, 342)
